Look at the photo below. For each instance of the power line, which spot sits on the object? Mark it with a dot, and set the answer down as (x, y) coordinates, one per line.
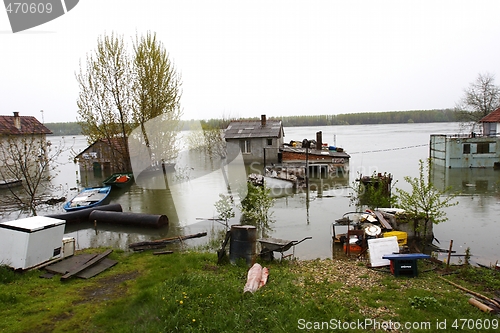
(388, 149)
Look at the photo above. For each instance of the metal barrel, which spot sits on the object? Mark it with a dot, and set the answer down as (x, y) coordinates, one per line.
(138, 219)
(243, 243)
(83, 214)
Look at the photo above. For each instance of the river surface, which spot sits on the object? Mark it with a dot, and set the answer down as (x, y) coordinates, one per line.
(394, 149)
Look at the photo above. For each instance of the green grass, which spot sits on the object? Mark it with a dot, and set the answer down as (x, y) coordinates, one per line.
(189, 292)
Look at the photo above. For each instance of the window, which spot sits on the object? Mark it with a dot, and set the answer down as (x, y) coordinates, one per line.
(245, 146)
(467, 148)
(493, 130)
(269, 142)
(483, 148)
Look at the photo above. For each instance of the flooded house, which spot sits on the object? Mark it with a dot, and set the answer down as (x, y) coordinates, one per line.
(471, 150)
(21, 131)
(258, 141)
(322, 160)
(104, 155)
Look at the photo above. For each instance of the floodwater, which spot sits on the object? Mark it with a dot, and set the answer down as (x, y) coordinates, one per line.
(394, 149)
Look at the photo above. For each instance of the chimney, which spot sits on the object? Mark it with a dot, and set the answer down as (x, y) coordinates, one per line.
(263, 120)
(17, 120)
(319, 140)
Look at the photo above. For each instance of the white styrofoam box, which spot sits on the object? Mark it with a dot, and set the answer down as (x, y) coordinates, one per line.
(68, 246)
(378, 247)
(28, 242)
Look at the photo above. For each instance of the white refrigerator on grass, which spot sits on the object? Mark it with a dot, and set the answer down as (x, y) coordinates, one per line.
(29, 242)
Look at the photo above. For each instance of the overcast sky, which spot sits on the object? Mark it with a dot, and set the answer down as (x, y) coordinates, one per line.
(280, 58)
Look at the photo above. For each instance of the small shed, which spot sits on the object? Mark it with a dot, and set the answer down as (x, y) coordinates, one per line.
(258, 141)
(108, 155)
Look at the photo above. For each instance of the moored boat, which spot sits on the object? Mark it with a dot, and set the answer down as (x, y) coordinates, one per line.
(88, 197)
(119, 179)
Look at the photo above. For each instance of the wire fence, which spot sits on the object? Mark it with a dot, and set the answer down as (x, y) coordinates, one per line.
(388, 149)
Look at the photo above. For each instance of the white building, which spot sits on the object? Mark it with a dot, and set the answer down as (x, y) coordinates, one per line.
(471, 150)
(22, 144)
(258, 141)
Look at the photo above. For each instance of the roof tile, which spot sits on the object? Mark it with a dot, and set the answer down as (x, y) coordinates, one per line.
(29, 125)
(492, 117)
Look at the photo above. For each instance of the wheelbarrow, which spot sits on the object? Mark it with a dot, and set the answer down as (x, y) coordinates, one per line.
(270, 245)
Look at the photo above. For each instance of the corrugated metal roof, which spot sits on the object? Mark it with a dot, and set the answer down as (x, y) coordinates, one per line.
(493, 117)
(253, 129)
(28, 125)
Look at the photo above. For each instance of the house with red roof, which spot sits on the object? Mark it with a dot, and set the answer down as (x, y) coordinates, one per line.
(491, 124)
(472, 150)
(19, 126)
(20, 131)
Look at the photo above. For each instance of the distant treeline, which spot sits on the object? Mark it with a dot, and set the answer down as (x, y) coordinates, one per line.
(64, 129)
(366, 118)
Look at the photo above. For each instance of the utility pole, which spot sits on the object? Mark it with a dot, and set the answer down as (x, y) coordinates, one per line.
(307, 182)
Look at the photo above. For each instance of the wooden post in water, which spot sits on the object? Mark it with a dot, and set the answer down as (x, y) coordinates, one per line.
(449, 254)
(307, 182)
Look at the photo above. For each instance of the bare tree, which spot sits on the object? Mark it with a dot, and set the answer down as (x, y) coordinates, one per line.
(34, 161)
(480, 98)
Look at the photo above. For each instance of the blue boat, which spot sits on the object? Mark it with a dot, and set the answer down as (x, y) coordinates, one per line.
(88, 197)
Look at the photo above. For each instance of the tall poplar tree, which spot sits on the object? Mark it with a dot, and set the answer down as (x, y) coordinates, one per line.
(157, 94)
(122, 95)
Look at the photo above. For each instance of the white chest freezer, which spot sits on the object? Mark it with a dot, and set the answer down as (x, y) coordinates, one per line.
(28, 242)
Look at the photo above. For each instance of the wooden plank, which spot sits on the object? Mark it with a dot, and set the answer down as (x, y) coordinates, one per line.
(382, 220)
(163, 252)
(86, 265)
(480, 305)
(473, 293)
(67, 264)
(99, 267)
(166, 240)
(149, 247)
(70, 263)
(80, 263)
